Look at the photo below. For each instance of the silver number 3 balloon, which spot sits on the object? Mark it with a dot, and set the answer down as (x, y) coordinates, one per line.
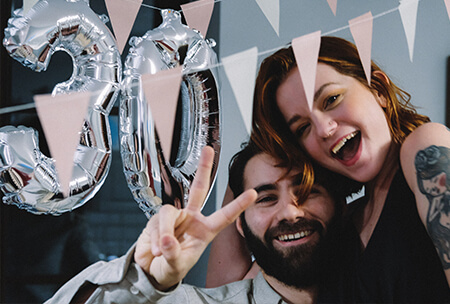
(27, 177)
(152, 179)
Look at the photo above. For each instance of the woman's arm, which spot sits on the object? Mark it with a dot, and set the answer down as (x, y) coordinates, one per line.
(229, 258)
(426, 165)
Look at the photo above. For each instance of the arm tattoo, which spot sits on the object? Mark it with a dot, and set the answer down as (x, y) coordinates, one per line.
(433, 178)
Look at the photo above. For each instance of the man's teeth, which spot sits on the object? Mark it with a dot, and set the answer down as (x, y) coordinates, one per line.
(342, 142)
(295, 236)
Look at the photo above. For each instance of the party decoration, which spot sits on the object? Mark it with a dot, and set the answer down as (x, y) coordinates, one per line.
(241, 72)
(271, 9)
(447, 6)
(361, 28)
(198, 14)
(306, 52)
(333, 5)
(70, 26)
(408, 14)
(27, 4)
(153, 179)
(122, 14)
(61, 118)
(162, 90)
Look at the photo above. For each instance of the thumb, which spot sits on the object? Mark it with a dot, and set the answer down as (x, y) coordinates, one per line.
(170, 248)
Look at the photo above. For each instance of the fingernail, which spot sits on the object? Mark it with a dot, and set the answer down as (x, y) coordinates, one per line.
(166, 243)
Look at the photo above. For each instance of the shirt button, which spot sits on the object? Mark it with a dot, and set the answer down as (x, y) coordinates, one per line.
(134, 290)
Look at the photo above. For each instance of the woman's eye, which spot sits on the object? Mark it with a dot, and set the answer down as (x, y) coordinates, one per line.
(301, 130)
(330, 101)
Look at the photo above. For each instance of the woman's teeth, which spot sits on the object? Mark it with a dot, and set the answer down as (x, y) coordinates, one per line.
(342, 142)
(295, 236)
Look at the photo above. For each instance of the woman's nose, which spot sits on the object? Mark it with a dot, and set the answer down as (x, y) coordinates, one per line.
(325, 126)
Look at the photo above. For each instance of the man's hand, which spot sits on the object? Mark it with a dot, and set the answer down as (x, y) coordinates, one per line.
(173, 240)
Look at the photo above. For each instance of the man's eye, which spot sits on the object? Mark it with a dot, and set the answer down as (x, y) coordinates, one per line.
(266, 199)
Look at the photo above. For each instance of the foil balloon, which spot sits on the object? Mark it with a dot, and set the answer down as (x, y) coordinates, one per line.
(152, 179)
(27, 178)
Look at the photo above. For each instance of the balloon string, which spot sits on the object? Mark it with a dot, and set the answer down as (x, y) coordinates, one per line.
(7, 110)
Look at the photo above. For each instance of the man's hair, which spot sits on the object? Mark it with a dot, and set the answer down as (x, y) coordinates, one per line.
(335, 184)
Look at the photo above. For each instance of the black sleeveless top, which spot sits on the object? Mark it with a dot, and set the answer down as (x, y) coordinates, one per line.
(400, 263)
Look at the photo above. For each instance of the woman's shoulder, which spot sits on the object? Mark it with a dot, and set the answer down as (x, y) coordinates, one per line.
(424, 136)
(431, 132)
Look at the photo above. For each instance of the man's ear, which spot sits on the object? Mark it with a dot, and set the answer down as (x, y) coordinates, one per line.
(239, 226)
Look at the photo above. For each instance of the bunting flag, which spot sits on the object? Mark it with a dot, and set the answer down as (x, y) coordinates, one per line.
(122, 14)
(62, 117)
(306, 52)
(408, 14)
(361, 28)
(198, 14)
(241, 69)
(271, 9)
(161, 92)
(447, 6)
(333, 5)
(27, 4)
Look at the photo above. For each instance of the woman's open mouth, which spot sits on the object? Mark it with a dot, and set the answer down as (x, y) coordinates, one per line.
(346, 148)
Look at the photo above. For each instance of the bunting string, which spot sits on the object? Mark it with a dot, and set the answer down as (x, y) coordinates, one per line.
(22, 107)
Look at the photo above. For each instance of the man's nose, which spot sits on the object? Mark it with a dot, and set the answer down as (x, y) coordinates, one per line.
(290, 209)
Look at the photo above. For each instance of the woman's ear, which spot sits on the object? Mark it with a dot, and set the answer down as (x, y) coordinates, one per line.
(383, 78)
(239, 226)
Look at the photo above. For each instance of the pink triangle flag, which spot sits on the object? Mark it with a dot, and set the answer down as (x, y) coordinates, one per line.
(408, 14)
(447, 6)
(198, 14)
(333, 5)
(62, 117)
(361, 28)
(240, 69)
(306, 51)
(122, 14)
(161, 92)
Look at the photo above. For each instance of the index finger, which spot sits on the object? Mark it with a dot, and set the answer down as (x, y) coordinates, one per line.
(200, 185)
(229, 213)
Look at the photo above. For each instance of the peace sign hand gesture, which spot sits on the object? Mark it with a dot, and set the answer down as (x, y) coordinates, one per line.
(174, 239)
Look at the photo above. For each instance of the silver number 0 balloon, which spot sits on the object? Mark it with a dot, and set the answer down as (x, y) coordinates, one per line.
(27, 177)
(152, 179)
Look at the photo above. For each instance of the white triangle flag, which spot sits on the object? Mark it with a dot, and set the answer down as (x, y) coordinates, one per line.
(408, 14)
(361, 28)
(161, 92)
(62, 117)
(27, 4)
(447, 6)
(306, 50)
(333, 5)
(241, 69)
(122, 14)
(271, 9)
(198, 14)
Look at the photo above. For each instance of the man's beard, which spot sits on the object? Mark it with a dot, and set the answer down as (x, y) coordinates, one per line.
(301, 266)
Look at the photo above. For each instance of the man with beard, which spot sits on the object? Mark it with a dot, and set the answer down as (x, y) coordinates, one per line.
(287, 226)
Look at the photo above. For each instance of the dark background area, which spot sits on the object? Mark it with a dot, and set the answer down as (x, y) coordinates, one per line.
(39, 253)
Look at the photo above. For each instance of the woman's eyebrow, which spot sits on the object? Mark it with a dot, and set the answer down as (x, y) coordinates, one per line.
(320, 90)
